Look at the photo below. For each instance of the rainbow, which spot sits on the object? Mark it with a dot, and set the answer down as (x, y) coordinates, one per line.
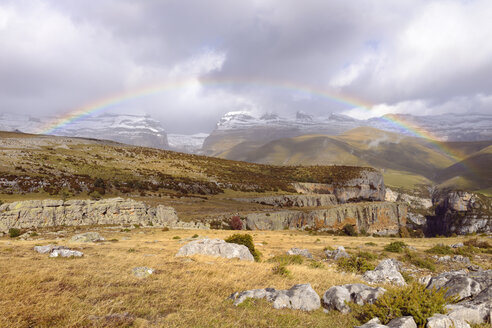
(114, 100)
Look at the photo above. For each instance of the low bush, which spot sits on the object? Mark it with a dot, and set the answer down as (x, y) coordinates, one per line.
(367, 255)
(403, 232)
(413, 300)
(316, 265)
(236, 223)
(440, 249)
(246, 240)
(14, 232)
(419, 261)
(176, 237)
(371, 244)
(354, 264)
(475, 242)
(395, 247)
(281, 270)
(195, 236)
(349, 230)
(286, 259)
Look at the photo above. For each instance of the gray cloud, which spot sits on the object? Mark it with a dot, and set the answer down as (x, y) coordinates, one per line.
(406, 56)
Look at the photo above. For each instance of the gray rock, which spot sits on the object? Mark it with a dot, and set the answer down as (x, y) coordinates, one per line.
(298, 297)
(456, 258)
(462, 287)
(86, 237)
(294, 200)
(457, 245)
(443, 321)
(216, 247)
(470, 314)
(373, 323)
(65, 253)
(336, 254)
(402, 322)
(48, 213)
(337, 297)
(142, 272)
(298, 251)
(385, 272)
(48, 248)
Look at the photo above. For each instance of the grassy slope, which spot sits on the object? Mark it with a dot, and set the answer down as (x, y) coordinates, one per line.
(79, 162)
(43, 292)
(407, 161)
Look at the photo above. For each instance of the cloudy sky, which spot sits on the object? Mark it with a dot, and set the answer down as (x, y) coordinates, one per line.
(202, 59)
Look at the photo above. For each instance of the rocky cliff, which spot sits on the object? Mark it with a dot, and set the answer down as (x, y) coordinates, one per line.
(368, 186)
(293, 200)
(460, 212)
(47, 213)
(381, 218)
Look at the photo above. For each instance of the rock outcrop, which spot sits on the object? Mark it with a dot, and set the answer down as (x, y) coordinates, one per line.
(381, 218)
(337, 253)
(298, 297)
(460, 212)
(337, 297)
(87, 237)
(48, 213)
(301, 252)
(294, 200)
(473, 291)
(217, 248)
(368, 186)
(385, 272)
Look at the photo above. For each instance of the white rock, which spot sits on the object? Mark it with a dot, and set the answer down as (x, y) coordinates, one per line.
(385, 272)
(216, 247)
(65, 253)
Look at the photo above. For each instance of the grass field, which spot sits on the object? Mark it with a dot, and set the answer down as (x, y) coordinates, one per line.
(99, 289)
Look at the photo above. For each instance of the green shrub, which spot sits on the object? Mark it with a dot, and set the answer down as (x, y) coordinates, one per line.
(418, 261)
(408, 277)
(14, 232)
(286, 259)
(247, 241)
(281, 270)
(132, 250)
(316, 265)
(349, 230)
(395, 247)
(354, 264)
(165, 229)
(95, 195)
(440, 249)
(176, 237)
(413, 300)
(367, 255)
(371, 244)
(477, 243)
(195, 236)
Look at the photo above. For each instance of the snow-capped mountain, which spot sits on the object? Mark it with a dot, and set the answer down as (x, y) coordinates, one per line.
(237, 127)
(186, 143)
(136, 130)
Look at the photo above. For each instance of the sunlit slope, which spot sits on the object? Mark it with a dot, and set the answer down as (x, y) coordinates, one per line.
(475, 171)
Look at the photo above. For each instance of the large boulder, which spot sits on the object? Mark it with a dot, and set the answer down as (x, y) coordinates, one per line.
(402, 322)
(385, 272)
(48, 248)
(336, 254)
(444, 321)
(64, 252)
(216, 247)
(301, 252)
(337, 297)
(298, 297)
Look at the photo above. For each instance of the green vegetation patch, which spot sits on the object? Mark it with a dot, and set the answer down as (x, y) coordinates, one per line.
(286, 259)
(246, 240)
(354, 264)
(413, 300)
(395, 247)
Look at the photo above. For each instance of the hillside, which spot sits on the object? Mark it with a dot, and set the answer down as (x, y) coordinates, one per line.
(30, 164)
(414, 158)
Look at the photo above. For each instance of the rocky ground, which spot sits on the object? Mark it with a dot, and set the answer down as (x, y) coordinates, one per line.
(130, 276)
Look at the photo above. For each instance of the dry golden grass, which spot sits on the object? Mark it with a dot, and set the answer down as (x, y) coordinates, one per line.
(38, 291)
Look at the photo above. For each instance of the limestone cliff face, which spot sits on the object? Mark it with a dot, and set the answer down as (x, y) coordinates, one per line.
(368, 186)
(460, 212)
(293, 200)
(382, 218)
(46, 213)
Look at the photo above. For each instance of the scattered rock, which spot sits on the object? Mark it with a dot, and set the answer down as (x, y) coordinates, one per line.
(336, 254)
(65, 253)
(373, 323)
(456, 258)
(298, 251)
(142, 272)
(298, 297)
(87, 237)
(48, 248)
(458, 245)
(385, 272)
(216, 247)
(337, 297)
(402, 322)
(443, 321)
